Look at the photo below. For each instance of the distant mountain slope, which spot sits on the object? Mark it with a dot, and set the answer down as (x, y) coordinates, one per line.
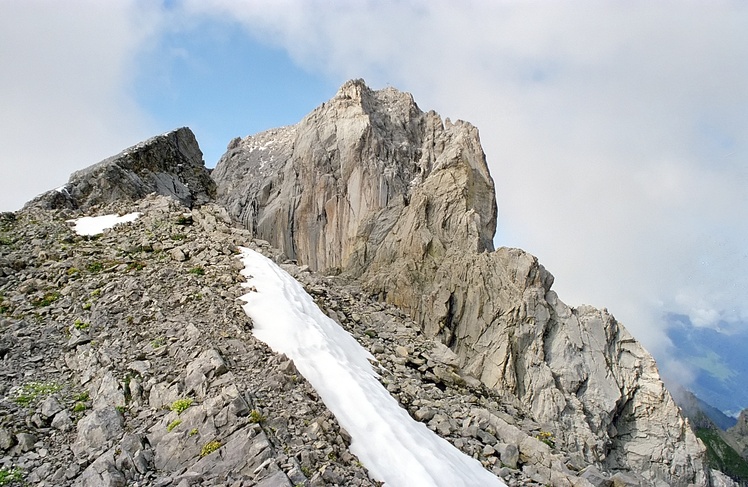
(723, 457)
(695, 409)
(718, 360)
(725, 450)
(739, 434)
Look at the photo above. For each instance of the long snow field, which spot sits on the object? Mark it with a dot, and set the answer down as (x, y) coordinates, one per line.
(396, 449)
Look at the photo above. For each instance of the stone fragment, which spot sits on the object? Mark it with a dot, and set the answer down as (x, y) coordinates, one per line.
(62, 421)
(238, 406)
(96, 431)
(140, 366)
(6, 439)
(594, 476)
(101, 473)
(401, 351)
(109, 393)
(509, 455)
(50, 406)
(178, 254)
(443, 355)
(25, 441)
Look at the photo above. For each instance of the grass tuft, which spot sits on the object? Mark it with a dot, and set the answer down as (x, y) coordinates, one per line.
(209, 448)
(180, 405)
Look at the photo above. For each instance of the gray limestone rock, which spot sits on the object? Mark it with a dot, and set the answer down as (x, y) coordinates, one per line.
(25, 441)
(102, 473)
(400, 204)
(50, 406)
(6, 439)
(96, 431)
(170, 164)
(329, 190)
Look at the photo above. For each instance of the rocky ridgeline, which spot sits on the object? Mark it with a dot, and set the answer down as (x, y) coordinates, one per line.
(402, 202)
(127, 360)
(170, 164)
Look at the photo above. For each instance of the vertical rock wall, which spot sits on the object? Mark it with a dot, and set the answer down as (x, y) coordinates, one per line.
(330, 189)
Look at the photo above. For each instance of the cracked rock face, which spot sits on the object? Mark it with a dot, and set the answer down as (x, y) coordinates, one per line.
(332, 189)
(170, 164)
(371, 186)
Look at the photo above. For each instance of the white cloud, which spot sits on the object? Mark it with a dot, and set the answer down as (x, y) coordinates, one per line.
(615, 131)
(66, 70)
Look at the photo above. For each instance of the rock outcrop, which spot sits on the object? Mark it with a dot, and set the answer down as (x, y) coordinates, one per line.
(331, 189)
(127, 360)
(370, 186)
(170, 164)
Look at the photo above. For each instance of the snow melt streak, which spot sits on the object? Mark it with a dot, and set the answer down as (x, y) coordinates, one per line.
(94, 225)
(394, 448)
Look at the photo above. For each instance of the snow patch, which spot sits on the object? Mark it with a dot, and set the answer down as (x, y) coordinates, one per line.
(396, 449)
(94, 225)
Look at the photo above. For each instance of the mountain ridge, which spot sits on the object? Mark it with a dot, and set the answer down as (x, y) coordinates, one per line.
(428, 250)
(552, 407)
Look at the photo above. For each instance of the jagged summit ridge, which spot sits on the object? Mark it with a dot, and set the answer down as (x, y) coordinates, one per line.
(371, 186)
(401, 203)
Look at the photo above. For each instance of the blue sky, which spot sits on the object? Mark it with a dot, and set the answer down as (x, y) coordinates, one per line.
(252, 86)
(616, 132)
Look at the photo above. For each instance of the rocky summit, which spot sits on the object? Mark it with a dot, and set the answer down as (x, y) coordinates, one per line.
(128, 360)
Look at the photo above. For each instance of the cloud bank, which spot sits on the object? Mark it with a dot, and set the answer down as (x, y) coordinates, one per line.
(65, 74)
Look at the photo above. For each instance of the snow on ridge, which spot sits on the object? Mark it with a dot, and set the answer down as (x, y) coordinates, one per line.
(94, 225)
(395, 449)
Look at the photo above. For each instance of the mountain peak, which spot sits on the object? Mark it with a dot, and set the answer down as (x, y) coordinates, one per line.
(346, 173)
(370, 186)
(402, 205)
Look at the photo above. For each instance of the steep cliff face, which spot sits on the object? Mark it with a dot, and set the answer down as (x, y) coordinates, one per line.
(332, 188)
(370, 185)
(577, 369)
(170, 164)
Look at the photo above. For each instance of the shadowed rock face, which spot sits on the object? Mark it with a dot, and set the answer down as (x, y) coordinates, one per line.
(370, 185)
(170, 164)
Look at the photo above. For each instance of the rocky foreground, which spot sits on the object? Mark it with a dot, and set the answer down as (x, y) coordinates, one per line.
(127, 360)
